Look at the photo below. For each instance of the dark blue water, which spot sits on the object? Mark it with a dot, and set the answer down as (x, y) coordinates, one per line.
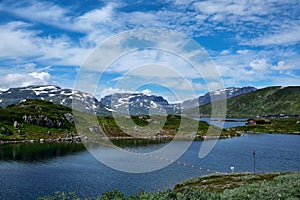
(27, 178)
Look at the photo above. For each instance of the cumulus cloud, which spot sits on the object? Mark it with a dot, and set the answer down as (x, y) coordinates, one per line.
(110, 90)
(254, 67)
(259, 65)
(147, 92)
(25, 79)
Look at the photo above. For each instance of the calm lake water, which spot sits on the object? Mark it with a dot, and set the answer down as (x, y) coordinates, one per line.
(227, 123)
(28, 171)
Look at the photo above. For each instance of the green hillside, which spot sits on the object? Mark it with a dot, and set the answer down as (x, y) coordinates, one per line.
(37, 119)
(270, 100)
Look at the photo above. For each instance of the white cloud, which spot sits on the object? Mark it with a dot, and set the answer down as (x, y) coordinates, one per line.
(17, 42)
(110, 90)
(39, 11)
(283, 67)
(43, 11)
(288, 36)
(259, 65)
(25, 79)
(147, 92)
(255, 67)
(237, 16)
(225, 52)
(92, 19)
(209, 7)
(233, 11)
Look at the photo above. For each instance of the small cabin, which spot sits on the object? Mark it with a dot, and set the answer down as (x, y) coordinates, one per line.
(255, 121)
(251, 122)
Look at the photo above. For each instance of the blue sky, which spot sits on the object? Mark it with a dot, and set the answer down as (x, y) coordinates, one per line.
(254, 43)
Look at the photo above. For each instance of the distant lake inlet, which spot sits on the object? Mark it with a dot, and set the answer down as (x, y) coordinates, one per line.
(224, 123)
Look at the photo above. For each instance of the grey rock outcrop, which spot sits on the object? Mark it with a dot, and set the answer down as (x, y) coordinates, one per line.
(42, 120)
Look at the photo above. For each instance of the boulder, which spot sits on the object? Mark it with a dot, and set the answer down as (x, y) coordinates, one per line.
(69, 117)
(16, 124)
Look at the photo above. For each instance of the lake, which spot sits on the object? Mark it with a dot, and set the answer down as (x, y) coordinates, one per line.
(30, 170)
(224, 123)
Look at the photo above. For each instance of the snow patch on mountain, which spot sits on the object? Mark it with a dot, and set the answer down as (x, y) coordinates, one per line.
(137, 103)
(84, 102)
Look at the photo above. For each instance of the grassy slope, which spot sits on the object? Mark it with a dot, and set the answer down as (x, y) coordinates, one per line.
(222, 187)
(270, 100)
(220, 183)
(247, 186)
(170, 127)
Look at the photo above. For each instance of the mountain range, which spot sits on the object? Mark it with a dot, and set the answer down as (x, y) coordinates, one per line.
(53, 94)
(132, 103)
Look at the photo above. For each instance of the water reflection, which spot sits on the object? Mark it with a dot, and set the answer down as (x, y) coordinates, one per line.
(127, 143)
(28, 152)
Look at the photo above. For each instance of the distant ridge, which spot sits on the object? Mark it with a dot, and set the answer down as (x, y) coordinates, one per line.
(265, 101)
(216, 95)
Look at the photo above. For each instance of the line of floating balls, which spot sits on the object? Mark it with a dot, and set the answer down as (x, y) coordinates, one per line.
(162, 158)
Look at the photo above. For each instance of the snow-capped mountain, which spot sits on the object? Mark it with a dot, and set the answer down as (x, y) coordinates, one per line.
(138, 104)
(216, 95)
(65, 97)
(132, 103)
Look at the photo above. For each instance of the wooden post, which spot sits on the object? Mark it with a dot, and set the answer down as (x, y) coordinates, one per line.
(254, 162)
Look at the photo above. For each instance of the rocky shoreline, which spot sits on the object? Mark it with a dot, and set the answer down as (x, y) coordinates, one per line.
(45, 140)
(81, 138)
